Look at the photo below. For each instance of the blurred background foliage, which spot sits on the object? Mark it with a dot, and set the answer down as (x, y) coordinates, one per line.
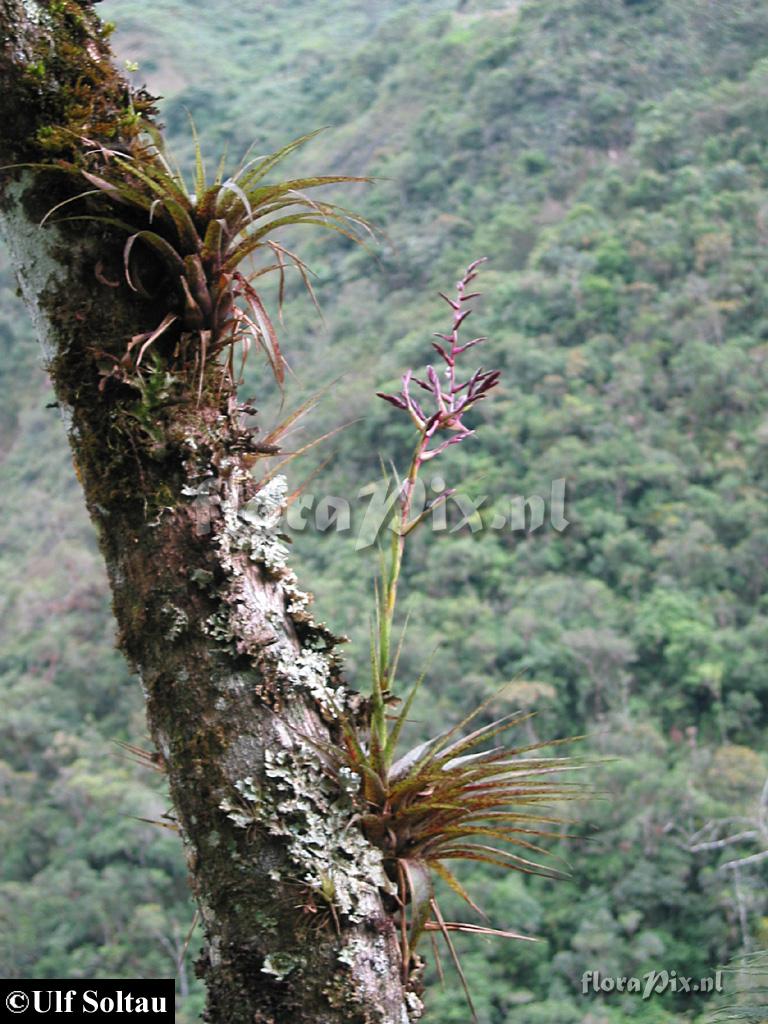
(609, 156)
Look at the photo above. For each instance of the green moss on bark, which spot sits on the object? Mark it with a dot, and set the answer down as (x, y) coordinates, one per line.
(60, 83)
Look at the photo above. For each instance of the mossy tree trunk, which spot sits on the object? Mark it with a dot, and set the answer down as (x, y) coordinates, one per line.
(238, 677)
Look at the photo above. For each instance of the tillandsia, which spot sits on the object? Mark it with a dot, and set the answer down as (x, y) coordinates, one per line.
(445, 799)
(185, 247)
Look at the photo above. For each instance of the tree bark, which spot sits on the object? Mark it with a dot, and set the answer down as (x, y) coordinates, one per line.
(239, 680)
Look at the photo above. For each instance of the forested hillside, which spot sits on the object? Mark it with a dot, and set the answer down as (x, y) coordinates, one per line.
(609, 157)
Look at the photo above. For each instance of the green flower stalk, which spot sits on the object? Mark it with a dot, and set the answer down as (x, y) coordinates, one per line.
(451, 400)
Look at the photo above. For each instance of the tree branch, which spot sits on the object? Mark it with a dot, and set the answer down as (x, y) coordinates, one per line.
(235, 670)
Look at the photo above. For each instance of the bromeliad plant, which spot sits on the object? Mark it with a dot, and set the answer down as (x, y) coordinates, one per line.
(200, 238)
(444, 800)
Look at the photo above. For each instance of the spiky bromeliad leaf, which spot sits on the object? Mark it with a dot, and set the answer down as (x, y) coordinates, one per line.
(444, 800)
(202, 238)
